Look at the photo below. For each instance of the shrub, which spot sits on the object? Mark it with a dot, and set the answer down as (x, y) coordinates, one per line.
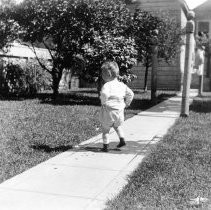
(23, 78)
(36, 76)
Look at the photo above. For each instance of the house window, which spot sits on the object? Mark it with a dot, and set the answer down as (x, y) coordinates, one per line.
(203, 27)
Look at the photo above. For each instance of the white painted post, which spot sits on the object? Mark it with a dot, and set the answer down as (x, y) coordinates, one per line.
(190, 26)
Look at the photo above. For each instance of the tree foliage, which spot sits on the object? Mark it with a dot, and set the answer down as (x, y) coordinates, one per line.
(61, 26)
(82, 34)
(153, 28)
(77, 32)
(8, 27)
(22, 78)
(110, 22)
(119, 49)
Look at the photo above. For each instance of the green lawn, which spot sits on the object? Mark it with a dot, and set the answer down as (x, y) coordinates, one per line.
(33, 130)
(177, 169)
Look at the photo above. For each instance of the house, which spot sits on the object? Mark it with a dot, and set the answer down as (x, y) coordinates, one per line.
(20, 51)
(203, 24)
(169, 75)
(203, 17)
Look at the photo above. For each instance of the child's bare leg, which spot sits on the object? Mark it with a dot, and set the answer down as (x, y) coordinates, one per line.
(105, 136)
(120, 133)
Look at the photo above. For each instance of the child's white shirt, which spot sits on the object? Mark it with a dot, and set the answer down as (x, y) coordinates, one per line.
(116, 95)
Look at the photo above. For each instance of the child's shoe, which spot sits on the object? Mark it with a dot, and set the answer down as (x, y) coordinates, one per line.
(105, 148)
(121, 143)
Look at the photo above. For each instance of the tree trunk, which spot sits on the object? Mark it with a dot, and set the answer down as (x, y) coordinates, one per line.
(146, 77)
(154, 74)
(55, 89)
(56, 75)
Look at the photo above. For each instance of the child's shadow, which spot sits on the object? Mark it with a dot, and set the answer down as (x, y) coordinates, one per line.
(49, 149)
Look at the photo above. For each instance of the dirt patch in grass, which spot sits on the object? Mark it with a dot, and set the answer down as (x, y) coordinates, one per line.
(177, 170)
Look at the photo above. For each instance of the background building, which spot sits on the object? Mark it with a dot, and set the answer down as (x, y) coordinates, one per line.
(169, 76)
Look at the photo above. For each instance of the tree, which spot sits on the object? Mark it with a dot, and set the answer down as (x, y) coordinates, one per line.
(8, 28)
(148, 26)
(110, 21)
(61, 26)
(67, 28)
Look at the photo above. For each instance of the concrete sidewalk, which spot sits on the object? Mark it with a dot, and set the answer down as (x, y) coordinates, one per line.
(84, 178)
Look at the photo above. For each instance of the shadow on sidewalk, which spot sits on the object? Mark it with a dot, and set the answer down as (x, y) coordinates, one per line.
(48, 149)
(133, 147)
(172, 105)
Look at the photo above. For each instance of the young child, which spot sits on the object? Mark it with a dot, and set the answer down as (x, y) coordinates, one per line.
(114, 96)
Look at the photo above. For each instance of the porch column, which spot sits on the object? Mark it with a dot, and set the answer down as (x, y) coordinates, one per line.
(188, 64)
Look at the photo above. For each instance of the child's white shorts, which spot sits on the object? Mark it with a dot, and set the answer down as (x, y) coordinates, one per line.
(111, 117)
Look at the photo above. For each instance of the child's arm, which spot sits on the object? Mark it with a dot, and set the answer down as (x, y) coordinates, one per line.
(104, 94)
(128, 96)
